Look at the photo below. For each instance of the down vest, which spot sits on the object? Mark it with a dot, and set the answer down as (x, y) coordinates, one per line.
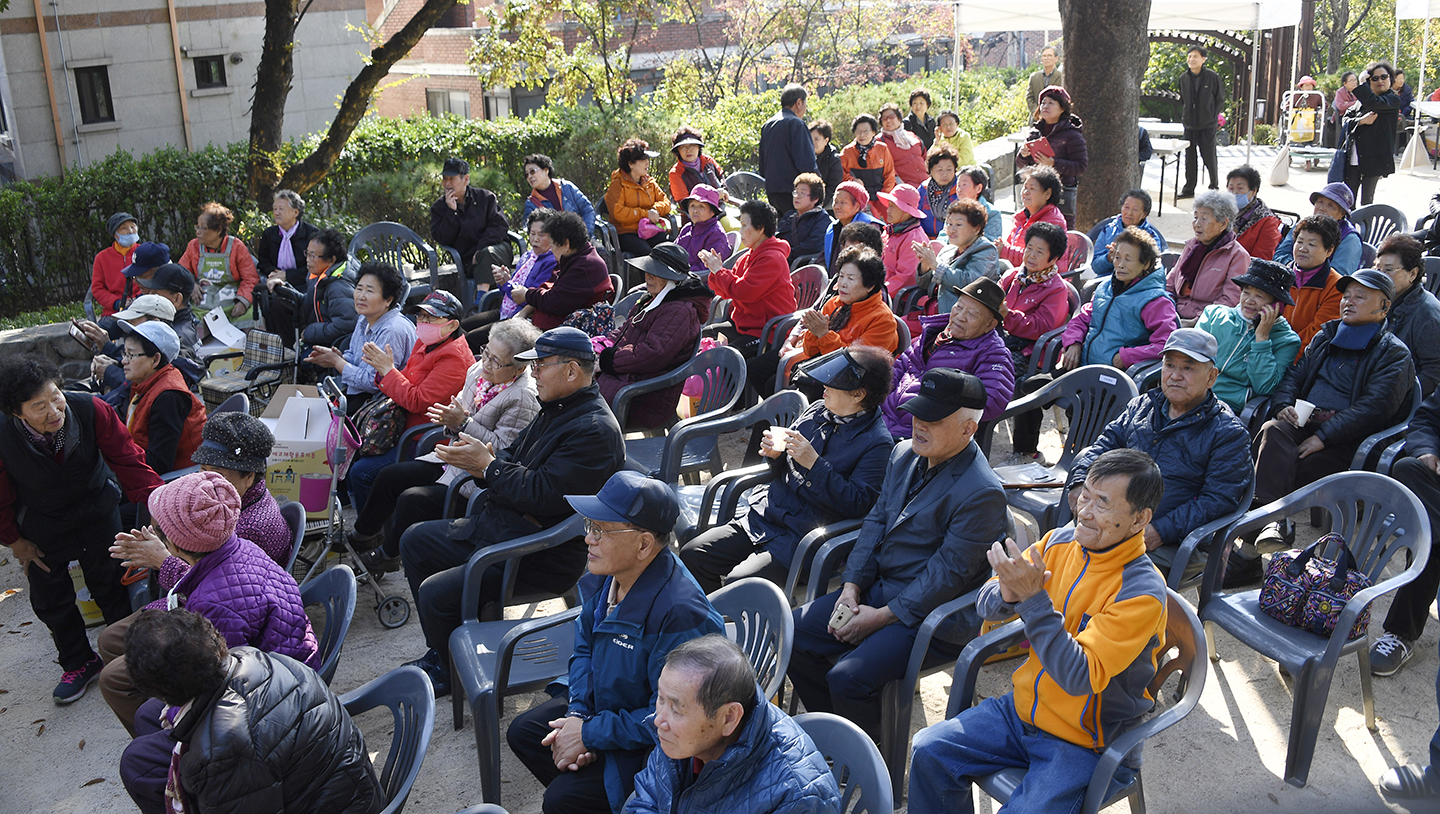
(985, 356)
(1204, 456)
(275, 738)
(772, 767)
(250, 600)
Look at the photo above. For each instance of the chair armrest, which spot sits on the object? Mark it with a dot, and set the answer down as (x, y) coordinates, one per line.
(1121, 747)
(830, 554)
(1388, 458)
(415, 434)
(726, 488)
(932, 622)
(1141, 371)
(454, 255)
(1048, 344)
(453, 490)
(1258, 406)
(621, 404)
(1193, 541)
(972, 658)
(1379, 440)
(255, 371)
(505, 653)
(802, 556)
(509, 551)
(215, 357)
(700, 426)
(1339, 637)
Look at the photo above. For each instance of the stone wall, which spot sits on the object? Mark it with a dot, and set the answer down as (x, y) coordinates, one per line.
(52, 342)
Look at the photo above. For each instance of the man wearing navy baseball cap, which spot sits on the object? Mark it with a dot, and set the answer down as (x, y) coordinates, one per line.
(572, 445)
(923, 544)
(640, 602)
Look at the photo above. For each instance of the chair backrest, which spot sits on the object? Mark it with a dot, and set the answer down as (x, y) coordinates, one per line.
(907, 299)
(745, 185)
(1432, 274)
(721, 371)
(734, 238)
(238, 403)
(719, 310)
(1097, 394)
(1287, 221)
(758, 618)
(1078, 251)
(411, 698)
(294, 514)
(734, 258)
(776, 330)
(395, 244)
(903, 332)
(617, 288)
(627, 304)
(1368, 251)
(1168, 259)
(854, 759)
(780, 410)
(1379, 221)
(809, 283)
(335, 589)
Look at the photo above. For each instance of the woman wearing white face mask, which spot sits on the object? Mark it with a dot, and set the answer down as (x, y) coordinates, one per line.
(1257, 229)
(109, 285)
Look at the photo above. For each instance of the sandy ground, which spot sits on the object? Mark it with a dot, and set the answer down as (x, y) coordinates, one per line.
(1228, 755)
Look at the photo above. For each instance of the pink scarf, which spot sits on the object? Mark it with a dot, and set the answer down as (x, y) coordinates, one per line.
(487, 390)
(903, 138)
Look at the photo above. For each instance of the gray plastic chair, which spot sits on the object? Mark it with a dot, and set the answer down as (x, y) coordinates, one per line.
(1182, 633)
(1379, 221)
(810, 282)
(758, 618)
(335, 589)
(1368, 251)
(1046, 352)
(238, 403)
(1096, 394)
(1203, 539)
(484, 808)
(745, 186)
(1377, 517)
(625, 306)
(411, 698)
(294, 514)
(722, 376)
(1431, 280)
(396, 244)
(856, 763)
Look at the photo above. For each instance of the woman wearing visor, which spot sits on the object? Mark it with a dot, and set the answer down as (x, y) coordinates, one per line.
(827, 466)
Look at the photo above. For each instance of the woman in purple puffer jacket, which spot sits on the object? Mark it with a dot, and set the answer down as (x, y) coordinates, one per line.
(250, 600)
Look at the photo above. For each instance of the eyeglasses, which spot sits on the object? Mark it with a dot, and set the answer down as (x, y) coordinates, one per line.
(127, 355)
(492, 361)
(592, 529)
(314, 255)
(553, 364)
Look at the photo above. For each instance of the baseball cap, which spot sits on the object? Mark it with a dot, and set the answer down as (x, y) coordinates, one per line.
(631, 497)
(455, 166)
(170, 277)
(564, 341)
(147, 256)
(944, 390)
(1193, 342)
(441, 304)
(1370, 278)
(160, 334)
(149, 305)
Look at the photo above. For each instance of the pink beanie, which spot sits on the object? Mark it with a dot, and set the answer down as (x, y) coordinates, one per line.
(197, 512)
(857, 191)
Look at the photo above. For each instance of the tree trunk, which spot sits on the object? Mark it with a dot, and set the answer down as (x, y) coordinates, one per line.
(272, 88)
(1108, 49)
(1339, 20)
(303, 177)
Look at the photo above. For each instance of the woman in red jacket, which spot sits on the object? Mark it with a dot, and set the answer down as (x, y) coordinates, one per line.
(434, 373)
(1257, 229)
(109, 286)
(905, 147)
(759, 285)
(219, 260)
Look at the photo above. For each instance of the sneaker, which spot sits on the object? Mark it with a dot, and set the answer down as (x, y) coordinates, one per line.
(74, 682)
(439, 674)
(1410, 783)
(1240, 572)
(1388, 654)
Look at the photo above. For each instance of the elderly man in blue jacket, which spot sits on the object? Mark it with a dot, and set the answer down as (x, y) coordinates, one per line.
(640, 603)
(1202, 448)
(922, 545)
(724, 749)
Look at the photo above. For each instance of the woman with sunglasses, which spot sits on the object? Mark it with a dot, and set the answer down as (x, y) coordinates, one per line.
(1370, 155)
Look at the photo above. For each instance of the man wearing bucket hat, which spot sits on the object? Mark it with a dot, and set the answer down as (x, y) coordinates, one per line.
(659, 335)
(587, 746)
(1354, 379)
(572, 444)
(1254, 344)
(1333, 201)
(468, 219)
(109, 287)
(1201, 447)
(923, 544)
(703, 231)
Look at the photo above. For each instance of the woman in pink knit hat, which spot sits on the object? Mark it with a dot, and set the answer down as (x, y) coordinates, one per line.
(250, 600)
(851, 202)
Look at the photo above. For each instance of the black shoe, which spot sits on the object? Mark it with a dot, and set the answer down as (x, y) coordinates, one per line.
(1276, 536)
(377, 561)
(439, 673)
(1240, 572)
(74, 682)
(359, 542)
(1186, 193)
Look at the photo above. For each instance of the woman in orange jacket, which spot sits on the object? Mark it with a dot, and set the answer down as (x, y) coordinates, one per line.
(219, 260)
(636, 204)
(868, 161)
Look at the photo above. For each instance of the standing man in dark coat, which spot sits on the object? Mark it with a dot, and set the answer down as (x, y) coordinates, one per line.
(468, 219)
(786, 149)
(1201, 99)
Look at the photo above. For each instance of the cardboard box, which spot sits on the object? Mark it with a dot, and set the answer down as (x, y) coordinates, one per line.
(298, 466)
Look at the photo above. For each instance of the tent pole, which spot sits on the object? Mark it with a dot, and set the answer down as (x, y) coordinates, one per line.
(1395, 52)
(1254, 82)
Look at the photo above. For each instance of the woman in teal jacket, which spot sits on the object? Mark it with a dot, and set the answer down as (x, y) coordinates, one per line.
(1256, 344)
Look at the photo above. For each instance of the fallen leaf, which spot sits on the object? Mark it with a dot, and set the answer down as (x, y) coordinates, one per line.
(82, 744)
(1273, 798)
(2, 710)
(12, 631)
(92, 782)
(2, 692)
(37, 721)
(22, 624)
(41, 732)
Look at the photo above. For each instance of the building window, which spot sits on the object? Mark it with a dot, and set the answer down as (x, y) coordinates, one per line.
(441, 101)
(93, 85)
(497, 105)
(457, 17)
(209, 72)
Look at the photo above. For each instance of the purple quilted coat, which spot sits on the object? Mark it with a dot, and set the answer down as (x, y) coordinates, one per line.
(985, 356)
(260, 522)
(250, 600)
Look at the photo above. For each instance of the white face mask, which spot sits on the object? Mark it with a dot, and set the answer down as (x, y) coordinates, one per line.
(128, 240)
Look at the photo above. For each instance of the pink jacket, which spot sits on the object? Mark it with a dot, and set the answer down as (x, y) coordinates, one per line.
(1012, 248)
(902, 265)
(909, 164)
(1214, 283)
(1043, 306)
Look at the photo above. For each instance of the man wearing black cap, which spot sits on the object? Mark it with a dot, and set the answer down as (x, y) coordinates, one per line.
(922, 544)
(468, 219)
(1354, 379)
(640, 602)
(175, 283)
(571, 445)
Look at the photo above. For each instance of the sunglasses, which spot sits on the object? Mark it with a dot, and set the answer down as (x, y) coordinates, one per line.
(1379, 77)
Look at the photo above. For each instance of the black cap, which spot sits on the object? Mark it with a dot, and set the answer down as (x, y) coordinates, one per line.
(562, 341)
(1270, 277)
(1370, 278)
(441, 304)
(668, 261)
(170, 277)
(630, 497)
(944, 390)
(117, 220)
(455, 166)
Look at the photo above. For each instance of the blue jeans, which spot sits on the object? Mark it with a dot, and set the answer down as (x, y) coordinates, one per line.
(990, 737)
(362, 475)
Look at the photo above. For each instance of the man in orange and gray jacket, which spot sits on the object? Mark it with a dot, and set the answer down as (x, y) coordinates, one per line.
(1094, 611)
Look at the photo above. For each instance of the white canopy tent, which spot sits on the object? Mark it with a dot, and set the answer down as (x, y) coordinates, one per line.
(1184, 15)
(1416, 10)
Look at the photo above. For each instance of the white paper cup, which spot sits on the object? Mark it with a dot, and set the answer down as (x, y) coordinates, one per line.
(777, 438)
(1303, 409)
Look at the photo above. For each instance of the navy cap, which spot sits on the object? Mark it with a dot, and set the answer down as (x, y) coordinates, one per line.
(147, 256)
(564, 341)
(455, 166)
(441, 304)
(630, 497)
(170, 277)
(944, 390)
